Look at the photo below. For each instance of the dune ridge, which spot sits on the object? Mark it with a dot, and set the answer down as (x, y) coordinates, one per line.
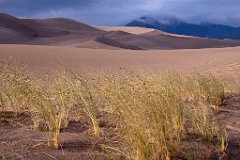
(67, 32)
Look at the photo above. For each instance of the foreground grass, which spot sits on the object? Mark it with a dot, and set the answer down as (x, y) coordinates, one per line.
(154, 115)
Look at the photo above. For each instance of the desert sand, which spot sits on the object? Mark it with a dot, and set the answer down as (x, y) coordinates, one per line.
(47, 58)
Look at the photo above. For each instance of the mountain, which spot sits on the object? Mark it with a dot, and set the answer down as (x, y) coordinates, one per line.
(176, 26)
(67, 32)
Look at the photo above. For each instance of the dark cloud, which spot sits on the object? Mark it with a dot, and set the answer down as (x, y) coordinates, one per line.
(216, 11)
(114, 12)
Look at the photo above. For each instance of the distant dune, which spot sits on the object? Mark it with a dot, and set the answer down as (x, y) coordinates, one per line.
(137, 30)
(47, 58)
(133, 30)
(67, 32)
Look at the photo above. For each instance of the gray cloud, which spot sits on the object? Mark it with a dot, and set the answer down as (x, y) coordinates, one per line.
(217, 11)
(114, 12)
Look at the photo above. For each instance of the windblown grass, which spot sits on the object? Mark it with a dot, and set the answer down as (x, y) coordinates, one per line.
(50, 101)
(16, 88)
(238, 82)
(156, 114)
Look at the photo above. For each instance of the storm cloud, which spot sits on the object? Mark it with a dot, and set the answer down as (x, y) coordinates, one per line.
(119, 12)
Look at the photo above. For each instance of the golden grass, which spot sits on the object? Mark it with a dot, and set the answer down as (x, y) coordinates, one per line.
(49, 101)
(15, 89)
(156, 114)
(154, 111)
(238, 82)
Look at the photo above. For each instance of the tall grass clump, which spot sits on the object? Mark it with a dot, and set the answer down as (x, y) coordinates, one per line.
(238, 82)
(58, 98)
(15, 89)
(155, 114)
(88, 103)
(52, 103)
(202, 95)
(205, 87)
(150, 113)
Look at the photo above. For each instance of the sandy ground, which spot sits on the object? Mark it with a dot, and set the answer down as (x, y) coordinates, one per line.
(47, 58)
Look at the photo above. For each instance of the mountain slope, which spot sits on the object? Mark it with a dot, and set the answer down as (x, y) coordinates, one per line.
(176, 26)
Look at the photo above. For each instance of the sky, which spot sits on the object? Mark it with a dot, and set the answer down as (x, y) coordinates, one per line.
(120, 12)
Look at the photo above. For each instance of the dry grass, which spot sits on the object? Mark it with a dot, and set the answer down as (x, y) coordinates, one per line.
(49, 101)
(156, 115)
(238, 82)
(15, 89)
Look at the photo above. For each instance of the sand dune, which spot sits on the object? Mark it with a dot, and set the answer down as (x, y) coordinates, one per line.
(7, 34)
(139, 42)
(187, 42)
(46, 58)
(63, 24)
(159, 40)
(94, 44)
(54, 31)
(132, 30)
(28, 29)
(137, 30)
(115, 43)
(67, 32)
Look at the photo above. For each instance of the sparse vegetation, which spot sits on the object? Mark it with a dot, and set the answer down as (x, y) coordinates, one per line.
(238, 82)
(15, 89)
(155, 115)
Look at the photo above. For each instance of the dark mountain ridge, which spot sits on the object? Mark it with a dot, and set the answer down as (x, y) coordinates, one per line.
(177, 26)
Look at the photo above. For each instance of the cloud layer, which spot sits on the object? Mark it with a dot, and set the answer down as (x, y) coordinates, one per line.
(116, 12)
